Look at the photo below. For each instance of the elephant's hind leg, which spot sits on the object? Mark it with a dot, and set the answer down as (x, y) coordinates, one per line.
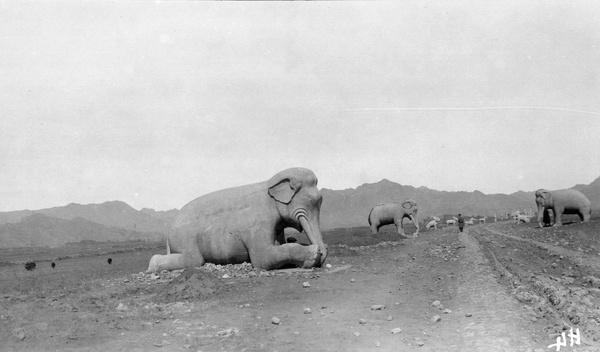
(166, 262)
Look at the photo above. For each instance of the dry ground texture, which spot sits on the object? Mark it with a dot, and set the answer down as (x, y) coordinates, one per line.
(495, 287)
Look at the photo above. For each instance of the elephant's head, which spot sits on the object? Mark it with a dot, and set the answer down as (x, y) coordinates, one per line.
(543, 198)
(410, 206)
(298, 201)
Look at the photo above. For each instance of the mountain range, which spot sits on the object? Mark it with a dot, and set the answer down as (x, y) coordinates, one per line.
(117, 221)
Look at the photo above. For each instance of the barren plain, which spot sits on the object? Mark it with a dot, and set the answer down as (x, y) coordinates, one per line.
(495, 287)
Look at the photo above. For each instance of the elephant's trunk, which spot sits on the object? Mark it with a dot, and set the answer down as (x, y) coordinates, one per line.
(540, 214)
(312, 228)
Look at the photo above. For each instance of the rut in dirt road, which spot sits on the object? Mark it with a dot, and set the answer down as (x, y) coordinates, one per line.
(498, 322)
(577, 257)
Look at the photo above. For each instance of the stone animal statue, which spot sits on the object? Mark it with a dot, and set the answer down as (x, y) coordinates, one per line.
(246, 224)
(471, 221)
(433, 223)
(522, 218)
(394, 213)
(482, 220)
(452, 221)
(564, 201)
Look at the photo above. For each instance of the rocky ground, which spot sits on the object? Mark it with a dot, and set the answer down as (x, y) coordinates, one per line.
(495, 287)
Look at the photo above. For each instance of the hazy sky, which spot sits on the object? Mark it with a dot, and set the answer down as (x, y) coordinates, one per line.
(157, 103)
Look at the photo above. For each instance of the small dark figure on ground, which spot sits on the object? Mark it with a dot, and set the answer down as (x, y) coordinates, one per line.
(109, 261)
(546, 218)
(461, 222)
(30, 266)
(53, 265)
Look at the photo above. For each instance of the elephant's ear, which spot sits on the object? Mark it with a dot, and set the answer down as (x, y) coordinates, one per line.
(283, 191)
(408, 203)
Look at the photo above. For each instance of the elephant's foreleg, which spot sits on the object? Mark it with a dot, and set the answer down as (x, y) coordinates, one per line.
(558, 217)
(273, 257)
(400, 226)
(374, 229)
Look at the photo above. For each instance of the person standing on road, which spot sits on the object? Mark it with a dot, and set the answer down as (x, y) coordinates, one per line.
(461, 222)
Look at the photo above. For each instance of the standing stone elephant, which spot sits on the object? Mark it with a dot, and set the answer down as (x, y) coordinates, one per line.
(246, 224)
(564, 201)
(394, 213)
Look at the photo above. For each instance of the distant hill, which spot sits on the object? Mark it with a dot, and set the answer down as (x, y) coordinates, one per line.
(592, 191)
(112, 214)
(117, 221)
(350, 207)
(40, 230)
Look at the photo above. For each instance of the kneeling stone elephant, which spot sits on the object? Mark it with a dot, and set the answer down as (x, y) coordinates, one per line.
(246, 224)
(394, 213)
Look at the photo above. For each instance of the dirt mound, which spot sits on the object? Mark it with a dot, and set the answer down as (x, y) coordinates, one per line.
(192, 284)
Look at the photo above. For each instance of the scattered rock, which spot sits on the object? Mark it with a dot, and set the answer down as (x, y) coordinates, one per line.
(468, 315)
(377, 307)
(19, 333)
(389, 318)
(307, 311)
(228, 332)
(305, 284)
(362, 321)
(122, 308)
(352, 280)
(436, 318)
(275, 321)
(396, 331)
(447, 311)
(356, 333)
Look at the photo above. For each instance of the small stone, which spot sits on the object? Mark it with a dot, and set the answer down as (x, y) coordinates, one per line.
(305, 284)
(328, 266)
(122, 307)
(307, 311)
(356, 333)
(436, 318)
(352, 280)
(225, 276)
(362, 321)
(447, 311)
(436, 303)
(377, 344)
(468, 315)
(396, 331)
(420, 343)
(377, 307)
(275, 321)
(389, 318)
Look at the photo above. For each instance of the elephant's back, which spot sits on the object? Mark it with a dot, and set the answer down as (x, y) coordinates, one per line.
(578, 198)
(219, 205)
(382, 212)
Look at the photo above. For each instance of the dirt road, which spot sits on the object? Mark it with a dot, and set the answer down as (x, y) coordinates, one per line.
(481, 290)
